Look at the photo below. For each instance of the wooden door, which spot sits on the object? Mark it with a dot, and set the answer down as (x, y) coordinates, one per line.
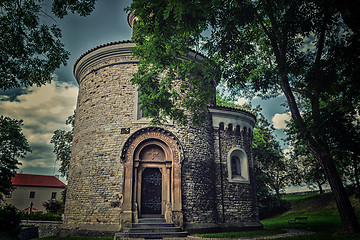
(151, 188)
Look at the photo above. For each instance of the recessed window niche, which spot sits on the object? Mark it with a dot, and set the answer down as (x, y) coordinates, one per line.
(237, 163)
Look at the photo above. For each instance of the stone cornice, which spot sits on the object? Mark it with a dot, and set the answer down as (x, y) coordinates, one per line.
(99, 54)
(112, 50)
(231, 116)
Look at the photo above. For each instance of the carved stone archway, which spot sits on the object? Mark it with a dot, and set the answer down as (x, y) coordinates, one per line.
(152, 148)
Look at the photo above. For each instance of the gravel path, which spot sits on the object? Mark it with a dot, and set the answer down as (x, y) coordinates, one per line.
(289, 233)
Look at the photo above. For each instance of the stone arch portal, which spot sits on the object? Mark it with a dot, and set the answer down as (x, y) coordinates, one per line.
(152, 181)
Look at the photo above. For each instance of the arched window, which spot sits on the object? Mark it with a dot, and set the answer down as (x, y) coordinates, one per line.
(138, 113)
(238, 165)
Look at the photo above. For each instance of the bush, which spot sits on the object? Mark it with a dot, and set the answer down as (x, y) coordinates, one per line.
(10, 220)
(40, 216)
(270, 206)
(54, 206)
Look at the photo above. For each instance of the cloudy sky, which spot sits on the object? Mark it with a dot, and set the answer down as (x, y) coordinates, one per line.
(45, 109)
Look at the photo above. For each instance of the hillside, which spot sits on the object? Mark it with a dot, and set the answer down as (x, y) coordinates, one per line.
(323, 217)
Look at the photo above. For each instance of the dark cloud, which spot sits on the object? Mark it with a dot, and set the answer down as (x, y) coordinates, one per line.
(12, 95)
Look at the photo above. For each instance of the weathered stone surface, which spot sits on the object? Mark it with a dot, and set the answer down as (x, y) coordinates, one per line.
(45, 228)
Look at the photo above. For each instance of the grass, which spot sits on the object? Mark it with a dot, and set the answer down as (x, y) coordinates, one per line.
(323, 220)
(297, 197)
(323, 217)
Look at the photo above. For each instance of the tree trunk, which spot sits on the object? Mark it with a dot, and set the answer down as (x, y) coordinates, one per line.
(277, 192)
(320, 187)
(356, 173)
(347, 215)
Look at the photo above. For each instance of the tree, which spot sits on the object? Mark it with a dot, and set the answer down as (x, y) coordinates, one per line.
(280, 171)
(13, 145)
(272, 171)
(310, 171)
(62, 141)
(298, 48)
(54, 206)
(30, 49)
(10, 220)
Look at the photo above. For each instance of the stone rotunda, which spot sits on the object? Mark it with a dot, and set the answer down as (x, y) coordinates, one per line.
(199, 178)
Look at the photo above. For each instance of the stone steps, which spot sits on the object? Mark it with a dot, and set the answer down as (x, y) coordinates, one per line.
(151, 226)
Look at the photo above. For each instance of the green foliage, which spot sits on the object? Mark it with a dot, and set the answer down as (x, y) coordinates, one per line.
(13, 145)
(171, 86)
(224, 101)
(40, 216)
(54, 206)
(62, 141)
(302, 49)
(30, 48)
(290, 197)
(10, 220)
(273, 172)
(83, 7)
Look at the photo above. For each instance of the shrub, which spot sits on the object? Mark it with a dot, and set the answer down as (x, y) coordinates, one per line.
(54, 206)
(10, 220)
(40, 216)
(270, 206)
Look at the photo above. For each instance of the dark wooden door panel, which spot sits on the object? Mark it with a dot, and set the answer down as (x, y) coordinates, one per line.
(151, 191)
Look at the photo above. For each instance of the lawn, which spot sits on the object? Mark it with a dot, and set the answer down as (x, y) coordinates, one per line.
(323, 220)
(323, 217)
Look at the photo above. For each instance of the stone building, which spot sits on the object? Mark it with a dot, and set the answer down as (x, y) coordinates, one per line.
(198, 177)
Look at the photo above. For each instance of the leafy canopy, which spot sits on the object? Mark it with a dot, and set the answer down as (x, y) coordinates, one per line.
(302, 49)
(62, 141)
(30, 48)
(13, 145)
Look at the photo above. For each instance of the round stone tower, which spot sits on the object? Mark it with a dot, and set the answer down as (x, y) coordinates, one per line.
(197, 177)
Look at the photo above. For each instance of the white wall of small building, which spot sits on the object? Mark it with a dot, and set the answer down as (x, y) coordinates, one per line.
(20, 196)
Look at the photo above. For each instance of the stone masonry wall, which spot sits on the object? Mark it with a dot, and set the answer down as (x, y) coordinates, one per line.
(198, 169)
(236, 201)
(104, 121)
(105, 106)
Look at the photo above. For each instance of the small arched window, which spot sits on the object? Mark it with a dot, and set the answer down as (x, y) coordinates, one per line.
(238, 165)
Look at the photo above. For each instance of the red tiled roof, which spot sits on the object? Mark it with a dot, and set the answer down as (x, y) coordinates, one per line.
(36, 180)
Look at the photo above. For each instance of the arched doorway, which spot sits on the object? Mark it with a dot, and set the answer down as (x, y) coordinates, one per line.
(152, 170)
(152, 180)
